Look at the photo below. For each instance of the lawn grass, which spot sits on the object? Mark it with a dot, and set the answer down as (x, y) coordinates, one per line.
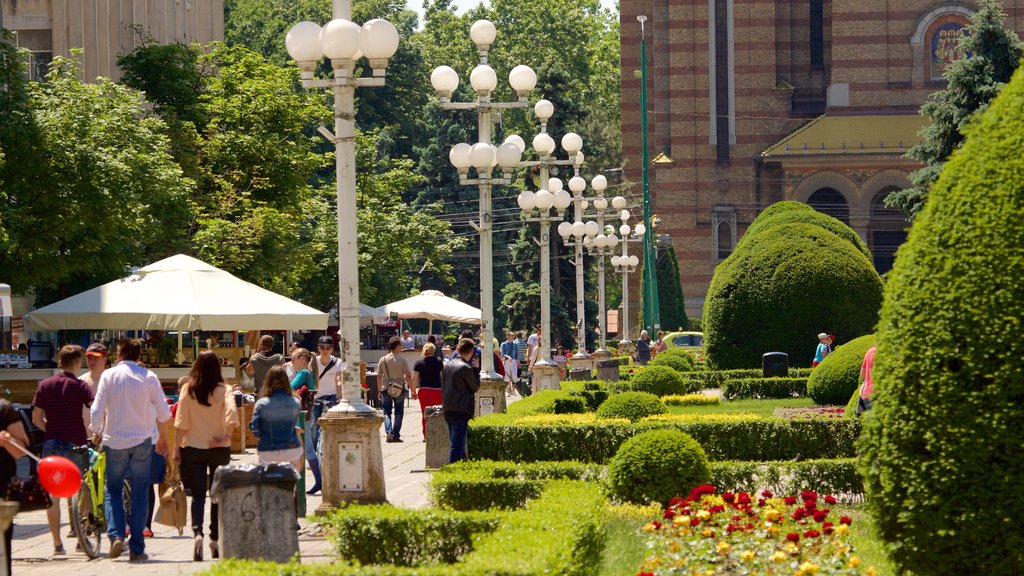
(624, 539)
(864, 537)
(763, 408)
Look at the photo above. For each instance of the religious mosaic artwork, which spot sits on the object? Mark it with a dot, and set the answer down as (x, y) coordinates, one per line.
(946, 44)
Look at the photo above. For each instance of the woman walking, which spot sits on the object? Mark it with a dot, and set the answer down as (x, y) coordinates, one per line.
(426, 379)
(275, 419)
(204, 422)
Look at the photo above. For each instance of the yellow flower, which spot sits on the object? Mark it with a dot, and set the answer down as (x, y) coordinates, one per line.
(747, 555)
(772, 515)
(842, 529)
(703, 514)
(723, 547)
(790, 548)
(707, 533)
(854, 562)
(871, 571)
(674, 546)
(679, 563)
(808, 568)
(681, 520)
(773, 530)
(649, 527)
(779, 557)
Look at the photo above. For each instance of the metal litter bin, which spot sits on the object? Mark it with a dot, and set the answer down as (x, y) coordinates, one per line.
(257, 511)
(775, 364)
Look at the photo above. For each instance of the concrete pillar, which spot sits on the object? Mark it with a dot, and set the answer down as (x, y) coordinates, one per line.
(438, 442)
(490, 399)
(546, 376)
(607, 373)
(257, 522)
(352, 462)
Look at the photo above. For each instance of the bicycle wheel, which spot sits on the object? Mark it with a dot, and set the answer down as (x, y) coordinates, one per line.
(87, 525)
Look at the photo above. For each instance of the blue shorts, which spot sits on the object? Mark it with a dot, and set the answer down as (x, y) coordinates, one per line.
(62, 448)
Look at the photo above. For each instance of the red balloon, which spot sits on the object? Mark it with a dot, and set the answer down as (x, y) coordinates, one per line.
(59, 476)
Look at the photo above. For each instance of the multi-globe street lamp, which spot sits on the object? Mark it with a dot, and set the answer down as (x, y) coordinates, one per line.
(483, 157)
(353, 465)
(546, 372)
(583, 233)
(625, 263)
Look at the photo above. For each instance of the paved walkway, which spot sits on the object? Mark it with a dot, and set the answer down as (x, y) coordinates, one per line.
(171, 554)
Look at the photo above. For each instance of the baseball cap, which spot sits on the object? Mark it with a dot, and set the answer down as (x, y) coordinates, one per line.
(96, 349)
(325, 340)
(822, 335)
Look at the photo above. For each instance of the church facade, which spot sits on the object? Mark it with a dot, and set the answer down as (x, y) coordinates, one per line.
(751, 102)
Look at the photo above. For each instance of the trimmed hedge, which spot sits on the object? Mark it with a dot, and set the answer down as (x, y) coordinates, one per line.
(838, 376)
(791, 212)
(691, 400)
(655, 466)
(632, 406)
(819, 281)
(943, 447)
(498, 437)
(384, 534)
(765, 388)
(676, 359)
(486, 484)
(660, 381)
(838, 477)
(593, 392)
(851, 406)
(549, 402)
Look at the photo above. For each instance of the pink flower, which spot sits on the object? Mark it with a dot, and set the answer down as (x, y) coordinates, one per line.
(830, 499)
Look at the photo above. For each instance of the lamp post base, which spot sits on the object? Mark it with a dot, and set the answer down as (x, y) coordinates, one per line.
(352, 461)
(546, 376)
(490, 399)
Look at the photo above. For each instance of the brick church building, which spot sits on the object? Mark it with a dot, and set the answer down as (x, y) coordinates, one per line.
(751, 102)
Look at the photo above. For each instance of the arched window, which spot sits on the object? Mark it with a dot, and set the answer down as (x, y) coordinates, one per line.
(887, 230)
(723, 232)
(724, 240)
(943, 44)
(832, 202)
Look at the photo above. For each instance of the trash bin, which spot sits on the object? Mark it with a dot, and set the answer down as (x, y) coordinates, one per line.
(581, 374)
(257, 511)
(438, 445)
(608, 370)
(775, 364)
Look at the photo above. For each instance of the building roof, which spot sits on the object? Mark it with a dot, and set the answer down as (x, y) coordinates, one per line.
(831, 134)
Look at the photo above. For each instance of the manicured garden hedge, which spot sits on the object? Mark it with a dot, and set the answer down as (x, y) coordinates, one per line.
(943, 441)
(792, 212)
(764, 388)
(549, 402)
(500, 437)
(775, 294)
(485, 484)
(838, 477)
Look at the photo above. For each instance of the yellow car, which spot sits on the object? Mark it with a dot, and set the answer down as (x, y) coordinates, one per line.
(689, 341)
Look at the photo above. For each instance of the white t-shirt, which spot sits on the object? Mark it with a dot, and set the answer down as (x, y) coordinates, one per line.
(531, 345)
(326, 385)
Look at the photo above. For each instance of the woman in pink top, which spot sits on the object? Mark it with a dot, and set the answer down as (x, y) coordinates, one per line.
(204, 421)
(868, 386)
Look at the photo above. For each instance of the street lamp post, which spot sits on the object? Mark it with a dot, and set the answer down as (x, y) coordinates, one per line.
(352, 461)
(546, 372)
(626, 263)
(583, 233)
(483, 157)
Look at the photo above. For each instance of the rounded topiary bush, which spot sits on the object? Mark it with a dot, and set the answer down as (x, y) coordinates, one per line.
(942, 445)
(676, 359)
(660, 381)
(631, 405)
(776, 294)
(838, 376)
(656, 466)
(792, 212)
(851, 405)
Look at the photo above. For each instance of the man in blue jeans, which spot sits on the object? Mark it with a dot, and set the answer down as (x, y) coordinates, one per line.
(459, 384)
(127, 397)
(57, 411)
(392, 369)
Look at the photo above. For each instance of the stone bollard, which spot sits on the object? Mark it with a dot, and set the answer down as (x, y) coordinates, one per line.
(257, 511)
(438, 443)
(7, 511)
(608, 370)
(581, 374)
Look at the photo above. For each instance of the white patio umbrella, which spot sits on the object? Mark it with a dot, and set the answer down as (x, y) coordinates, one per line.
(433, 305)
(177, 293)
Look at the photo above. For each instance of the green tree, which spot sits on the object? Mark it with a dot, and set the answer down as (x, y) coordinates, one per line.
(670, 291)
(93, 192)
(941, 446)
(995, 52)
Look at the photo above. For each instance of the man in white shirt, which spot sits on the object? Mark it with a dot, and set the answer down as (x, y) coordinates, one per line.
(531, 347)
(126, 398)
(326, 369)
(407, 341)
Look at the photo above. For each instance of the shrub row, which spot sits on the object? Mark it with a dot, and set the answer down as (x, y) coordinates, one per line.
(485, 484)
(764, 388)
(500, 437)
(691, 400)
(838, 477)
(717, 378)
(557, 533)
(549, 402)
(631, 405)
(384, 534)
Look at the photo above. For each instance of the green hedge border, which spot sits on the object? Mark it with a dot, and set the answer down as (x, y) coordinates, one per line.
(838, 477)
(497, 437)
(764, 388)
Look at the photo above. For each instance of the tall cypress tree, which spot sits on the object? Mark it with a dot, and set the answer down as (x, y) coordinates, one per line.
(671, 304)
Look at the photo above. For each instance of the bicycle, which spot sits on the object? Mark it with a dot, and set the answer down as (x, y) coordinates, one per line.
(88, 515)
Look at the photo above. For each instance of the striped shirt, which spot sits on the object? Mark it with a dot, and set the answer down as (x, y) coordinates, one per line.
(62, 398)
(125, 400)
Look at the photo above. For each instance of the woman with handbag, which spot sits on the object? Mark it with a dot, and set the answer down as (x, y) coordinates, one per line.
(11, 428)
(275, 420)
(204, 422)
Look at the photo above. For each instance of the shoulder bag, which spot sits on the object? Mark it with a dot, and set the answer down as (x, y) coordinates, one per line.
(395, 389)
(29, 494)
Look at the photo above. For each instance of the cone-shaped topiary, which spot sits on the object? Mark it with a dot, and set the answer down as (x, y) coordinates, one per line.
(631, 405)
(832, 381)
(943, 444)
(791, 212)
(777, 293)
(676, 359)
(660, 381)
(656, 466)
